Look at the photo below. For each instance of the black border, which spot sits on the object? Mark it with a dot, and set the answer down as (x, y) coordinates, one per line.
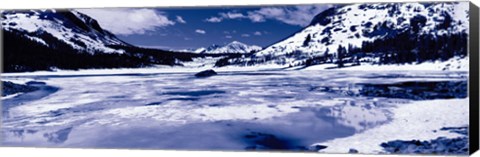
(474, 79)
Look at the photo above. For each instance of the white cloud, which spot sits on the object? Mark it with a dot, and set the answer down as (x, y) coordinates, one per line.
(256, 17)
(200, 31)
(228, 37)
(214, 19)
(258, 33)
(180, 19)
(297, 15)
(245, 35)
(129, 21)
(223, 16)
(232, 15)
(270, 12)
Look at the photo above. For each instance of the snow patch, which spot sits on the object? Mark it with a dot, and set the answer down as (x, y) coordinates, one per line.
(10, 96)
(417, 120)
(453, 64)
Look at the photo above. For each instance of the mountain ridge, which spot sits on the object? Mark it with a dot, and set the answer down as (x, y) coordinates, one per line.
(232, 47)
(69, 26)
(66, 39)
(352, 25)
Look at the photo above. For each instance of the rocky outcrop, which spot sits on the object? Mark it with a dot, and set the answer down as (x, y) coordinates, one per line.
(206, 73)
(9, 88)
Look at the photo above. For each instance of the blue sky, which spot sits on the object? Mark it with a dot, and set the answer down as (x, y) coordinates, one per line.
(180, 28)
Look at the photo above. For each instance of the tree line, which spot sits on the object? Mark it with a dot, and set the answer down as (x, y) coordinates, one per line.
(23, 54)
(407, 48)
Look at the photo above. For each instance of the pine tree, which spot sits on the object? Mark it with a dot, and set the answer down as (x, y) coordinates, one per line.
(340, 55)
(307, 40)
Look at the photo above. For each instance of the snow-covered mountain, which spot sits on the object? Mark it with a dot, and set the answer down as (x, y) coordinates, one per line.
(199, 50)
(69, 26)
(233, 47)
(352, 25)
(67, 39)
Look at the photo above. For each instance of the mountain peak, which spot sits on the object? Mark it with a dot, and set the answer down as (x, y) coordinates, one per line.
(351, 25)
(69, 26)
(232, 47)
(236, 42)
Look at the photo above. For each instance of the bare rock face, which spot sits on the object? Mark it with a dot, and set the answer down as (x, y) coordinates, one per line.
(206, 73)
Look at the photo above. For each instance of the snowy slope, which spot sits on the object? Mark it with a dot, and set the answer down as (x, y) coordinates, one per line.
(69, 40)
(200, 50)
(233, 47)
(353, 24)
(69, 26)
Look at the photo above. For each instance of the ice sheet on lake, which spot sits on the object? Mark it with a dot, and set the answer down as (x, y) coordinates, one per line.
(89, 106)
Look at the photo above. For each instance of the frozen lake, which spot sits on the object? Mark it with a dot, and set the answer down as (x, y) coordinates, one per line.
(268, 110)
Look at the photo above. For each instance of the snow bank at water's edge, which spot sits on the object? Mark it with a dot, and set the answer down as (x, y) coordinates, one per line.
(454, 64)
(420, 120)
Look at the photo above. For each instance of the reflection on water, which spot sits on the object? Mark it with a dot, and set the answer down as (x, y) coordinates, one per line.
(295, 131)
(417, 90)
(59, 136)
(195, 93)
(43, 91)
(230, 111)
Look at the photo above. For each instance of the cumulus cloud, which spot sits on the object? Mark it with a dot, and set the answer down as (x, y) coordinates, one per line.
(254, 17)
(228, 37)
(225, 16)
(296, 15)
(123, 21)
(258, 33)
(232, 15)
(214, 19)
(200, 31)
(299, 15)
(180, 19)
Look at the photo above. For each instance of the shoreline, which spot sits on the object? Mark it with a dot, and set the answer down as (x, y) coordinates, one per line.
(146, 71)
(452, 65)
(20, 98)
